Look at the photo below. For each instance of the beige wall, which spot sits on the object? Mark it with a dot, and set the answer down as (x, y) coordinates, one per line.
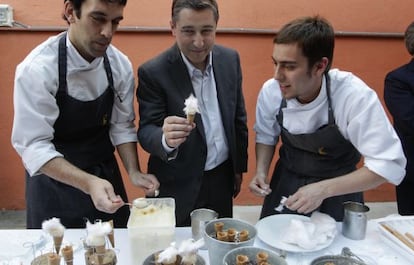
(368, 43)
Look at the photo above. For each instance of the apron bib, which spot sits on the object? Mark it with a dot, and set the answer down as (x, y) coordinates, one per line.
(309, 158)
(82, 136)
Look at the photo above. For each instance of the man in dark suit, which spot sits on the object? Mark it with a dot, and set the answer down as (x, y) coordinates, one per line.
(399, 98)
(198, 163)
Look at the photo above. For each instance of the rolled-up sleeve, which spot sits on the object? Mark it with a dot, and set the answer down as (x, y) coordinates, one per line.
(123, 128)
(35, 112)
(371, 132)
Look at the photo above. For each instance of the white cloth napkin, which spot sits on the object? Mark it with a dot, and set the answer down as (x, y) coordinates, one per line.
(308, 234)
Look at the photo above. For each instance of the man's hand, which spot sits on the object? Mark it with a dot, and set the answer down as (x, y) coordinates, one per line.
(148, 182)
(307, 198)
(103, 196)
(258, 186)
(176, 129)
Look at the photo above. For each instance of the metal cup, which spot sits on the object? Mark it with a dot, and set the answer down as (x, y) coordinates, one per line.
(354, 225)
(199, 219)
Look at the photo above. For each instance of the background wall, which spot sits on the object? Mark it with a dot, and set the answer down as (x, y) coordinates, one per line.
(369, 43)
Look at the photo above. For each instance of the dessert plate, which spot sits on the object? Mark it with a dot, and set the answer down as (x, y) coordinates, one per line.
(270, 230)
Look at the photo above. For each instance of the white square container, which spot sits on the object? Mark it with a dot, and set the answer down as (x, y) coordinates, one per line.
(151, 227)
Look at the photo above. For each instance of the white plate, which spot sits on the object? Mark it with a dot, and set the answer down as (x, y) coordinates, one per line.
(270, 230)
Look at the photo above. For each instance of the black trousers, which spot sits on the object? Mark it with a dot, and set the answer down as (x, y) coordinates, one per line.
(216, 191)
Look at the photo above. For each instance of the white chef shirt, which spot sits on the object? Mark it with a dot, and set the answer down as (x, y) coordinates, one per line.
(35, 108)
(358, 114)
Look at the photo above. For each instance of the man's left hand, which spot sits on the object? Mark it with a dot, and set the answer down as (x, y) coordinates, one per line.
(148, 182)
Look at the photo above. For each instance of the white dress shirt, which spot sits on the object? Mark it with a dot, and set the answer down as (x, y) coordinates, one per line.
(358, 114)
(204, 86)
(35, 108)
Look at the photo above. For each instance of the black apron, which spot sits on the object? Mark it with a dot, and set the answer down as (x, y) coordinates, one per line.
(309, 158)
(82, 136)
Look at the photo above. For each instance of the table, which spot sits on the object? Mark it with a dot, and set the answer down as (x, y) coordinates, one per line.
(373, 247)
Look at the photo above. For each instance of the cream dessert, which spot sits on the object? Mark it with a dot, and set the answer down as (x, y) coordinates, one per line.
(185, 254)
(191, 108)
(188, 251)
(54, 228)
(97, 234)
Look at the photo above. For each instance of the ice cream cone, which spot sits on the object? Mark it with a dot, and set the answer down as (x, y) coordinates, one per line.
(67, 253)
(191, 108)
(57, 241)
(190, 117)
(100, 252)
(111, 235)
(53, 259)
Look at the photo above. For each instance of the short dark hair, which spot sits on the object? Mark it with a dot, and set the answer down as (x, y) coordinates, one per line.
(409, 38)
(198, 5)
(78, 3)
(314, 35)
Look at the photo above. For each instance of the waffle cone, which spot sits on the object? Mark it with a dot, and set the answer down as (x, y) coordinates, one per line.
(111, 235)
(57, 241)
(100, 252)
(67, 253)
(53, 259)
(190, 117)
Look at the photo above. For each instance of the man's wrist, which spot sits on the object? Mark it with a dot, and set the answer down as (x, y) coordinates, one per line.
(167, 148)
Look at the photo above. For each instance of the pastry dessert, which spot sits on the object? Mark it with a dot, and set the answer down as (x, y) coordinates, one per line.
(67, 253)
(191, 108)
(54, 228)
(186, 254)
(95, 239)
(242, 260)
(53, 259)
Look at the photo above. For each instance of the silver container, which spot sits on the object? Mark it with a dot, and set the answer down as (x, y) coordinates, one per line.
(336, 260)
(199, 219)
(251, 252)
(347, 257)
(354, 225)
(218, 249)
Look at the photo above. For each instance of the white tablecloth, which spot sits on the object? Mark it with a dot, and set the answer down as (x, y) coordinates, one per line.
(374, 246)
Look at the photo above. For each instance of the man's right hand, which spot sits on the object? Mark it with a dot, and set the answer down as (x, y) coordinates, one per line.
(103, 196)
(176, 129)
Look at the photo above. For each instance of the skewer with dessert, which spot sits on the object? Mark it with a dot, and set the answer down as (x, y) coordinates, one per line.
(97, 252)
(56, 230)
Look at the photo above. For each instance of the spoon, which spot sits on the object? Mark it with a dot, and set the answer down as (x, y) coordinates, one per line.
(348, 253)
(138, 203)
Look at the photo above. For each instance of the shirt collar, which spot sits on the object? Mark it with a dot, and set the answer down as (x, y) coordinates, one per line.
(192, 69)
(77, 60)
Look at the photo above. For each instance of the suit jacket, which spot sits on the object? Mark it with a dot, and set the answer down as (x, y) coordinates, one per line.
(164, 84)
(399, 98)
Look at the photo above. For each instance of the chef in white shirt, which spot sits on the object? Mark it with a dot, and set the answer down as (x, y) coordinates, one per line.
(326, 119)
(73, 102)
